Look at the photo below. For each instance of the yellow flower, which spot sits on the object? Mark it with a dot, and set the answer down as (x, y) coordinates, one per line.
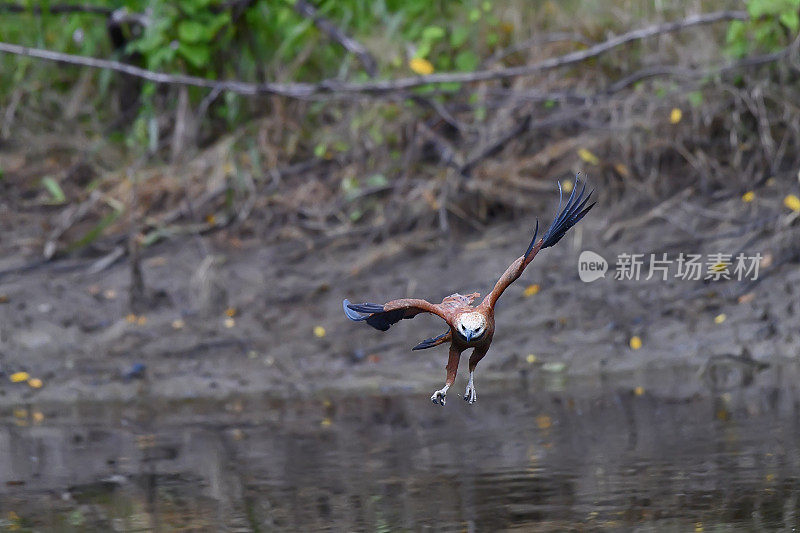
(19, 377)
(543, 421)
(635, 342)
(588, 156)
(231, 311)
(178, 323)
(638, 391)
(748, 197)
(531, 290)
(319, 332)
(720, 318)
(229, 322)
(531, 358)
(792, 202)
(421, 66)
(675, 115)
(35, 383)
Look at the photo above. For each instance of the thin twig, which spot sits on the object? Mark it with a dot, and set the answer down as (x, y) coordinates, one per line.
(328, 28)
(308, 90)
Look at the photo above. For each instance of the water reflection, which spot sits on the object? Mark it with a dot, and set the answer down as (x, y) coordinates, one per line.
(587, 456)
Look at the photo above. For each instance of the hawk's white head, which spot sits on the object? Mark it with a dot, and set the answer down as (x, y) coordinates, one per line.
(471, 325)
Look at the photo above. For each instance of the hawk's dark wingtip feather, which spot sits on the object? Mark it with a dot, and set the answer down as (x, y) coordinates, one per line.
(572, 213)
(366, 308)
(351, 314)
(429, 343)
(373, 314)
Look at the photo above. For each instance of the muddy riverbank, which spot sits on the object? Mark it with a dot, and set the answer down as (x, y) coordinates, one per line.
(247, 316)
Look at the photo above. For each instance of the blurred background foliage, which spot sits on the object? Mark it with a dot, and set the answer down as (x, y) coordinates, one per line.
(404, 160)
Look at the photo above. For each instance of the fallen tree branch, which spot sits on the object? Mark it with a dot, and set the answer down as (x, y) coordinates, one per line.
(309, 90)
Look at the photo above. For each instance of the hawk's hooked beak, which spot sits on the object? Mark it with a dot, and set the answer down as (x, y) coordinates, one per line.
(469, 334)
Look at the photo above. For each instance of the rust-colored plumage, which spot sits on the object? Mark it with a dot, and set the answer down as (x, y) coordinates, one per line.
(470, 327)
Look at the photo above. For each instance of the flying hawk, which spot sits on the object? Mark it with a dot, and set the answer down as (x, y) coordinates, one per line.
(470, 327)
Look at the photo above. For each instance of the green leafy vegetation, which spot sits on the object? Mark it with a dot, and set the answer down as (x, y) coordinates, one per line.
(250, 41)
(772, 26)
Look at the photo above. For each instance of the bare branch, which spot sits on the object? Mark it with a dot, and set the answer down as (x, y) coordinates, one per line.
(292, 90)
(8, 7)
(308, 90)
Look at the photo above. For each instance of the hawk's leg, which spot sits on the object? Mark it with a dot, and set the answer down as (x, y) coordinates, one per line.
(440, 396)
(477, 354)
(470, 395)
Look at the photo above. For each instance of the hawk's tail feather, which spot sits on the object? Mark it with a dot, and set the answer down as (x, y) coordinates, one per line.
(533, 241)
(433, 341)
(374, 314)
(572, 213)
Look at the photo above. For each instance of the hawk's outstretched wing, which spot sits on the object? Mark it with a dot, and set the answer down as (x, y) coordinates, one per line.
(383, 316)
(572, 213)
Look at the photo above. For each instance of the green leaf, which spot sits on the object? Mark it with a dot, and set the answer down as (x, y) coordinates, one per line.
(467, 61)
(56, 193)
(791, 20)
(320, 150)
(377, 180)
(76, 518)
(695, 98)
(161, 56)
(737, 30)
(151, 41)
(216, 24)
(450, 87)
(459, 36)
(432, 33)
(197, 55)
(191, 31)
(423, 49)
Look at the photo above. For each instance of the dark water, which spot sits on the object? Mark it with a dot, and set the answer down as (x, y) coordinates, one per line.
(580, 457)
